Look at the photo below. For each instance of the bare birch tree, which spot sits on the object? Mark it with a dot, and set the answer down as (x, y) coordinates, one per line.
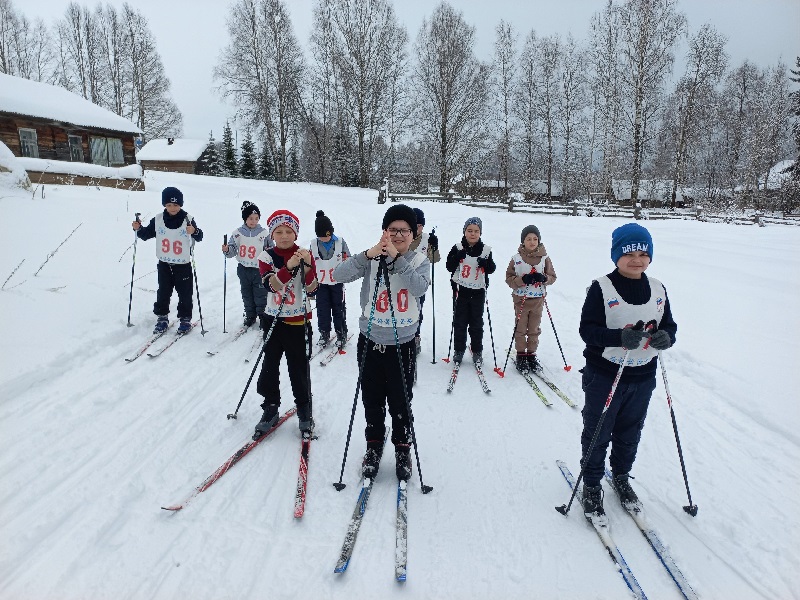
(452, 90)
(649, 31)
(706, 63)
(525, 106)
(571, 102)
(504, 75)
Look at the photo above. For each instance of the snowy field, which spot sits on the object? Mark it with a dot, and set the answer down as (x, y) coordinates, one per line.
(91, 447)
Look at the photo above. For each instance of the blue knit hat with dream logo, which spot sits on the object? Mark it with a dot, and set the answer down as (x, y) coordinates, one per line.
(630, 238)
(171, 194)
(473, 221)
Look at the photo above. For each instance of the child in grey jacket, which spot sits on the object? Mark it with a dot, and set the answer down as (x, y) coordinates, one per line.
(246, 243)
(385, 379)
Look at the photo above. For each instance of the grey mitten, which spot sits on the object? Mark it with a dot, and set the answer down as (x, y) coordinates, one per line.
(632, 338)
(660, 340)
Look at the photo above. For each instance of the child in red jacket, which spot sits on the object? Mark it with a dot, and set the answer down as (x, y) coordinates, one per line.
(289, 274)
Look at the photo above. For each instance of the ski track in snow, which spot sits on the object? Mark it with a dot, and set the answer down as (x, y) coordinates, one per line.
(93, 446)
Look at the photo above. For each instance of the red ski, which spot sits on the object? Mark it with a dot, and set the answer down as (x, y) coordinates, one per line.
(240, 453)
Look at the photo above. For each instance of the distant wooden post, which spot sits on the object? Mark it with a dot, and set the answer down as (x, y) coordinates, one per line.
(574, 208)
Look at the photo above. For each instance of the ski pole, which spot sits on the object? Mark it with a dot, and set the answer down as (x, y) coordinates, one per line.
(502, 373)
(267, 336)
(385, 269)
(491, 333)
(566, 366)
(564, 508)
(133, 268)
(433, 301)
(362, 358)
(196, 285)
(224, 283)
(452, 325)
(692, 508)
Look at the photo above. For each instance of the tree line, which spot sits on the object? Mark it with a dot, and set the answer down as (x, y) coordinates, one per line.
(574, 115)
(105, 55)
(556, 113)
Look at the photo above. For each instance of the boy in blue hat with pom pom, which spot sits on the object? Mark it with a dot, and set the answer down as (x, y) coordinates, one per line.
(628, 314)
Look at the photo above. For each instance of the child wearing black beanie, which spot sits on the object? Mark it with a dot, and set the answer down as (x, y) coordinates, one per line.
(329, 251)
(246, 243)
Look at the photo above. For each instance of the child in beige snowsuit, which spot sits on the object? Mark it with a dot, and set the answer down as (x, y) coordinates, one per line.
(528, 272)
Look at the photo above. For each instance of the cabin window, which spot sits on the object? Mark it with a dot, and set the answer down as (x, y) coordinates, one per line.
(106, 151)
(29, 143)
(115, 156)
(76, 148)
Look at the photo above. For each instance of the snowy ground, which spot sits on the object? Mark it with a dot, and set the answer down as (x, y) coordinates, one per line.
(91, 447)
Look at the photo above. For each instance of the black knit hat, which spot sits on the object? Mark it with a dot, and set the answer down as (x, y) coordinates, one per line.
(171, 194)
(400, 212)
(530, 229)
(322, 225)
(248, 208)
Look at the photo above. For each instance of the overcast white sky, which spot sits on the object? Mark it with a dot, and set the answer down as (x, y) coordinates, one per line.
(190, 34)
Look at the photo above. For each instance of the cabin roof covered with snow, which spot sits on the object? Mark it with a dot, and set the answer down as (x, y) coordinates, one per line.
(44, 101)
(184, 150)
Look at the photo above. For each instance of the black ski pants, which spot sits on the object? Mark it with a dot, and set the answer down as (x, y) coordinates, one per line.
(179, 278)
(623, 423)
(382, 384)
(291, 340)
(468, 315)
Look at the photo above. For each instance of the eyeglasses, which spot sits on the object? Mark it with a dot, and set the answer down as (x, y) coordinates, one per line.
(403, 232)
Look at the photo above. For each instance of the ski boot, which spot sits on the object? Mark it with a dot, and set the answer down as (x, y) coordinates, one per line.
(306, 421)
(185, 326)
(533, 364)
(477, 359)
(522, 363)
(402, 457)
(627, 496)
(161, 324)
(458, 356)
(248, 320)
(592, 501)
(324, 338)
(341, 339)
(372, 460)
(268, 420)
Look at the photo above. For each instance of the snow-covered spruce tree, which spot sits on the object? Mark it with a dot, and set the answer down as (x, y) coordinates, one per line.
(209, 160)
(266, 166)
(247, 161)
(228, 164)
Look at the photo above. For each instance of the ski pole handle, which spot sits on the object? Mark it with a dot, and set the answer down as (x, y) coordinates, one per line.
(137, 217)
(225, 239)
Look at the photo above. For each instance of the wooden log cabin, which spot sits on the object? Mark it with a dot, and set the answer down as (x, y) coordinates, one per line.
(171, 154)
(63, 138)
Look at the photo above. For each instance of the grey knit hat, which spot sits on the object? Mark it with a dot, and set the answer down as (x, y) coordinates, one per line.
(473, 221)
(530, 229)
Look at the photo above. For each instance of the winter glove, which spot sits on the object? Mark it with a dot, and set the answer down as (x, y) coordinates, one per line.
(482, 262)
(433, 242)
(632, 336)
(462, 254)
(531, 278)
(660, 340)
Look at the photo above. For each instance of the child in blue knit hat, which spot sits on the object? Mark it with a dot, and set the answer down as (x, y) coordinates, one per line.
(626, 319)
(175, 232)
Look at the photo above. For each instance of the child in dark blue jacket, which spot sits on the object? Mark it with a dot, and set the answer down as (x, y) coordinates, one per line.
(175, 232)
(626, 319)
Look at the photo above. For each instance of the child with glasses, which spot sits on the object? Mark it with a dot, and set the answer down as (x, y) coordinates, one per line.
(470, 263)
(387, 379)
